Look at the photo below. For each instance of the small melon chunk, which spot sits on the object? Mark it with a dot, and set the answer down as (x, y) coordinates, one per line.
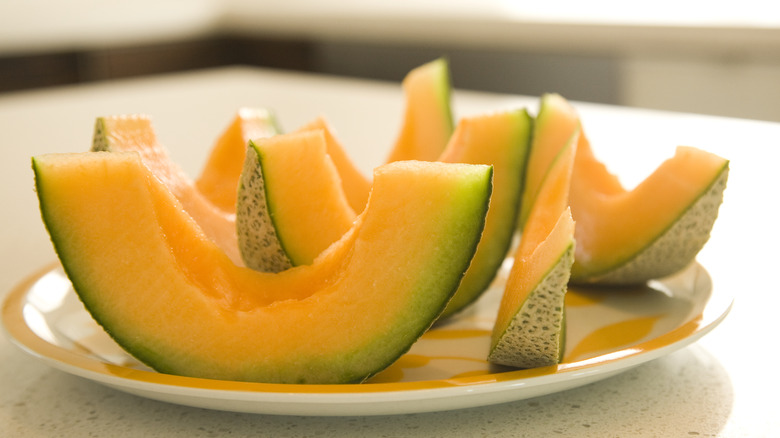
(499, 139)
(135, 133)
(291, 205)
(427, 122)
(529, 330)
(169, 296)
(218, 180)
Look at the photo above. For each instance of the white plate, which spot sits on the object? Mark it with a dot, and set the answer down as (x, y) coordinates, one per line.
(609, 331)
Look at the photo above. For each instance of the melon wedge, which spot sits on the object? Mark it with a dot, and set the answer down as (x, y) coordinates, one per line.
(291, 205)
(630, 236)
(218, 181)
(427, 121)
(529, 330)
(355, 185)
(501, 140)
(136, 133)
(169, 296)
(652, 231)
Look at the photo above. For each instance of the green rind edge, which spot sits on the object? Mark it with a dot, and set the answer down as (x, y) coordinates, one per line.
(259, 242)
(493, 261)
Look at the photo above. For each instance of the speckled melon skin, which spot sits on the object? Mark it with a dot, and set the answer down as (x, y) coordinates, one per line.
(99, 137)
(536, 336)
(258, 241)
(672, 251)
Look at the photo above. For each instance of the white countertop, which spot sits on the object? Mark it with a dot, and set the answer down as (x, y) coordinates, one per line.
(723, 385)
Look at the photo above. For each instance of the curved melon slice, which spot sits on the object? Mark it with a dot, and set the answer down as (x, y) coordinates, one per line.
(633, 236)
(529, 330)
(501, 140)
(652, 231)
(427, 123)
(291, 205)
(656, 229)
(218, 181)
(148, 275)
(355, 185)
(135, 133)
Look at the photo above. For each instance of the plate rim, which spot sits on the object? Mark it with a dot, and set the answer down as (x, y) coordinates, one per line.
(307, 399)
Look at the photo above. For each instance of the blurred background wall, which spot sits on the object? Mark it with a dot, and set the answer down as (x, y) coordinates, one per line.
(682, 56)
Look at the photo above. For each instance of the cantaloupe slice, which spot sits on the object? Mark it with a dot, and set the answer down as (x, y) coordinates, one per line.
(529, 330)
(169, 296)
(355, 185)
(427, 122)
(291, 205)
(136, 133)
(631, 236)
(652, 231)
(655, 229)
(500, 139)
(218, 181)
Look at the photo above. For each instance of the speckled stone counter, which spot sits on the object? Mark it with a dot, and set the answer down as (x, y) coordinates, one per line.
(723, 385)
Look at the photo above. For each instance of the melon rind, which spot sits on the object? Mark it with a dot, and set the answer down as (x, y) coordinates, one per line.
(99, 136)
(535, 336)
(672, 250)
(260, 246)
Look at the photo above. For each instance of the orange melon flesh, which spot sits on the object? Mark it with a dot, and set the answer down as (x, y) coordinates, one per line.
(355, 185)
(552, 129)
(427, 124)
(529, 327)
(501, 140)
(614, 224)
(303, 193)
(553, 196)
(167, 294)
(218, 181)
(135, 133)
